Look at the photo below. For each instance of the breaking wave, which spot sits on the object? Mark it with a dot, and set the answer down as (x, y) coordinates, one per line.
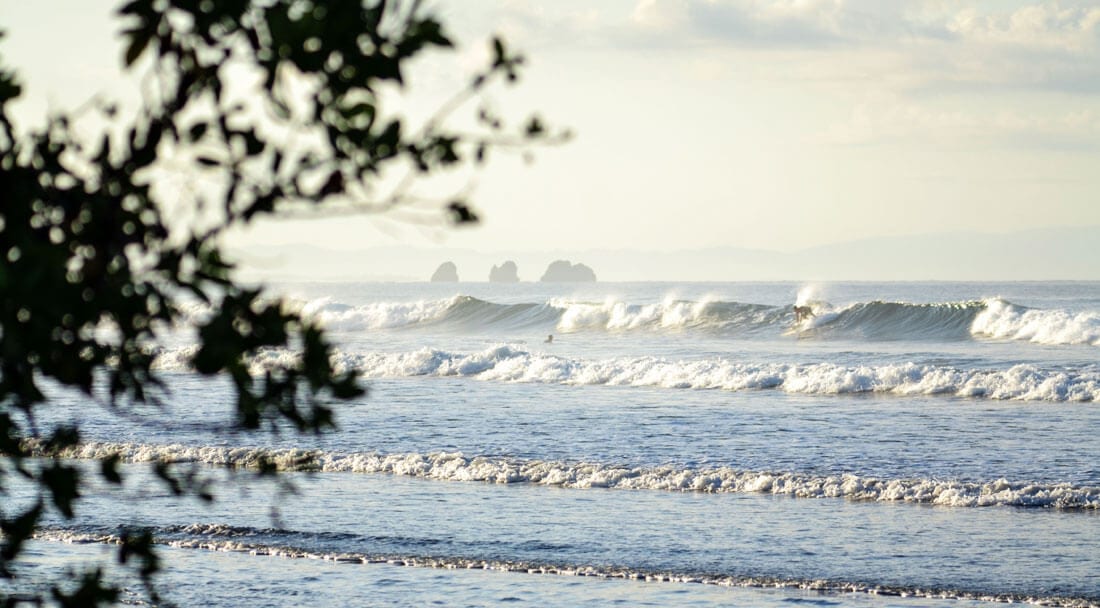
(1002, 320)
(388, 315)
(876, 320)
(514, 363)
(447, 466)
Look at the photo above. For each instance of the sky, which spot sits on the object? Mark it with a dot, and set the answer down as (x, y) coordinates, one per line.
(761, 124)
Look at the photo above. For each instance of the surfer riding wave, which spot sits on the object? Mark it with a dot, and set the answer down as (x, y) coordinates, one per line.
(802, 313)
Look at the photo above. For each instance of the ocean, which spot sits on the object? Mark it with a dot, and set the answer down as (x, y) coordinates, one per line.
(912, 444)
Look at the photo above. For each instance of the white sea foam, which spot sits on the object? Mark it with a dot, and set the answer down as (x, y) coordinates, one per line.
(812, 294)
(194, 312)
(1006, 321)
(513, 363)
(266, 359)
(447, 466)
(174, 359)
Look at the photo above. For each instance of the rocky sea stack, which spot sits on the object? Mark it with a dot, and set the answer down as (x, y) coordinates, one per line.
(446, 273)
(562, 271)
(505, 273)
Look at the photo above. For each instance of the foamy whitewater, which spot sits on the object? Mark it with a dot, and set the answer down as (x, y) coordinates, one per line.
(911, 444)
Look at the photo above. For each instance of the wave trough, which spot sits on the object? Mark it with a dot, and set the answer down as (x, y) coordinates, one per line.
(289, 544)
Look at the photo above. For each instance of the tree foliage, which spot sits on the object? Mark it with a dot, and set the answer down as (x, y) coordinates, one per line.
(274, 105)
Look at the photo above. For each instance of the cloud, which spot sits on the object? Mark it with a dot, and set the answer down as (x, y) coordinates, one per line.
(882, 120)
(1046, 27)
(810, 23)
(780, 23)
(777, 23)
(536, 24)
(1025, 71)
(1038, 46)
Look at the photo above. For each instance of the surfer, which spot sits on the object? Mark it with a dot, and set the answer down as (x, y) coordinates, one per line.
(549, 339)
(802, 312)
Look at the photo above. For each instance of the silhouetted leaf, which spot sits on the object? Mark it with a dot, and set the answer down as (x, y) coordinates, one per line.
(105, 256)
(196, 132)
(90, 591)
(333, 185)
(108, 468)
(17, 531)
(139, 39)
(62, 482)
(534, 127)
(461, 213)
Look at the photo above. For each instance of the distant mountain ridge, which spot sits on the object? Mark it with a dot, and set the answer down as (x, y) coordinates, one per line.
(1066, 253)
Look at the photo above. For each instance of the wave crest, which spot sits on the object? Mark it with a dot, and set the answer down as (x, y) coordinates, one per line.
(377, 315)
(992, 318)
(514, 363)
(447, 466)
(874, 320)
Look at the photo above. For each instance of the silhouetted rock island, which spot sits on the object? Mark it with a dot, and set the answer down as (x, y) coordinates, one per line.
(562, 271)
(446, 273)
(505, 273)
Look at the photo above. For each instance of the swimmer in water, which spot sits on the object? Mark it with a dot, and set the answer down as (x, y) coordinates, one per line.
(549, 339)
